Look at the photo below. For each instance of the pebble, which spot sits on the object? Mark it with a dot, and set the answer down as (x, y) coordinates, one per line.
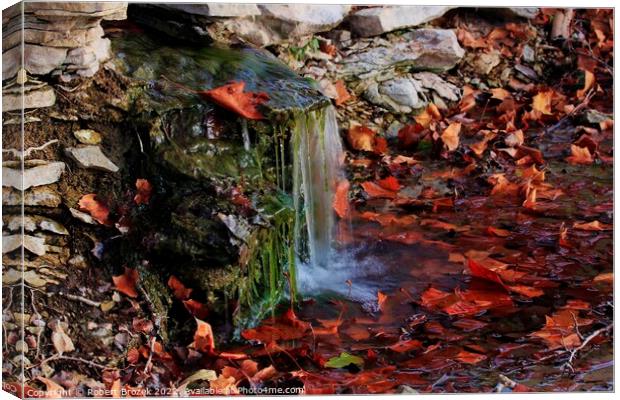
(91, 157)
(87, 136)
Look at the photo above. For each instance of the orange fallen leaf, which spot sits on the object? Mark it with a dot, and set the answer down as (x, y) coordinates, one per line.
(542, 102)
(579, 155)
(223, 386)
(450, 136)
(144, 192)
(592, 226)
(375, 191)
(403, 346)
(232, 97)
(431, 113)
(469, 357)
(196, 308)
(498, 232)
(133, 356)
(203, 337)
(514, 139)
(342, 93)
(381, 298)
(97, 209)
(389, 183)
(530, 199)
(126, 283)
(52, 389)
(179, 290)
(361, 138)
(341, 199)
(534, 174)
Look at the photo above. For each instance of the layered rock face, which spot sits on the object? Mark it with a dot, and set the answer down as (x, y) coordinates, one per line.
(61, 38)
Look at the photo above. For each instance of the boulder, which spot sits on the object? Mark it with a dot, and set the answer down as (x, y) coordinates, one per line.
(40, 97)
(39, 175)
(398, 95)
(421, 49)
(377, 20)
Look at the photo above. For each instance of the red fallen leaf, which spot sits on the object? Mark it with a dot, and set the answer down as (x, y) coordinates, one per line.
(237, 198)
(409, 136)
(179, 290)
(286, 327)
(328, 48)
(133, 356)
(204, 340)
(579, 155)
(409, 237)
(469, 357)
(97, 209)
(433, 297)
(469, 325)
(586, 140)
(563, 237)
(405, 346)
(357, 332)
(497, 232)
(389, 219)
(232, 97)
(450, 136)
(342, 93)
(144, 192)
(389, 183)
(375, 191)
(381, 146)
(126, 283)
(361, 138)
(433, 223)
(341, 199)
(526, 291)
(592, 226)
(232, 356)
(445, 202)
(535, 154)
(142, 325)
(533, 174)
(502, 186)
(196, 308)
(481, 272)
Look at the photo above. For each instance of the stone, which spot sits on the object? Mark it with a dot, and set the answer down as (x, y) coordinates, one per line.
(216, 9)
(528, 54)
(35, 197)
(33, 244)
(39, 60)
(39, 175)
(114, 10)
(514, 12)
(87, 136)
(398, 95)
(49, 36)
(421, 49)
(378, 20)
(82, 216)
(43, 97)
(91, 157)
(31, 222)
(431, 81)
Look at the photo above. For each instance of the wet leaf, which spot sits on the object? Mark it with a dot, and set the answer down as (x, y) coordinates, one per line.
(389, 183)
(361, 138)
(343, 94)
(341, 199)
(592, 226)
(233, 98)
(469, 357)
(579, 155)
(450, 136)
(406, 345)
(375, 191)
(144, 191)
(179, 290)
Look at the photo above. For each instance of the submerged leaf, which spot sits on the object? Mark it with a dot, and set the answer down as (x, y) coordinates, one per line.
(343, 360)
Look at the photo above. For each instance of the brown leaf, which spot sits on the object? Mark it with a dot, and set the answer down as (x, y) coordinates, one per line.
(341, 199)
(579, 155)
(592, 226)
(62, 342)
(52, 389)
(587, 85)
(542, 102)
(196, 308)
(203, 337)
(450, 136)
(361, 138)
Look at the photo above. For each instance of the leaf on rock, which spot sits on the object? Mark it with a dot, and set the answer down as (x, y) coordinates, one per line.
(343, 360)
(232, 97)
(97, 209)
(126, 283)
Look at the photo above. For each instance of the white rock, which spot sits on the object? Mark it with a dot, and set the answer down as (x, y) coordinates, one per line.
(38, 60)
(399, 95)
(33, 244)
(431, 81)
(43, 97)
(216, 9)
(91, 157)
(87, 136)
(82, 216)
(377, 20)
(36, 176)
(37, 197)
(306, 19)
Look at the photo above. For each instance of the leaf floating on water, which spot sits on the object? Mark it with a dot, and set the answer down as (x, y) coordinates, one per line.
(592, 226)
(343, 360)
(232, 97)
(375, 191)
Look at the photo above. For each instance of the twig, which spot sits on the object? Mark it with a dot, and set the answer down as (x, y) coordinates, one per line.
(80, 298)
(573, 353)
(149, 360)
(59, 356)
(26, 153)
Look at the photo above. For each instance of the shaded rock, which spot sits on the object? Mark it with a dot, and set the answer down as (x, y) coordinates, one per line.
(82, 216)
(33, 244)
(399, 95)
(49, 37)
(87, 136)
(37, 176)
(444, 89)
(38, 60)
(41, 97)
(31, 222)
(377, 20)
(422, 49)
(514, 12)
(37, 197)
(216, 9)
(91, 157)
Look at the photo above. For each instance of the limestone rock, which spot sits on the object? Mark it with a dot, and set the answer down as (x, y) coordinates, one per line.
(35, 197)
(38, 60)
(42, 97)
(33, 244)
(91, 157)
(305, 19)
(31, 222)
(422, 49)
(37, 176)
(398, 95)
(87, 136)
(377, 20)
(216, 9)
(82, 216)
(431, 81)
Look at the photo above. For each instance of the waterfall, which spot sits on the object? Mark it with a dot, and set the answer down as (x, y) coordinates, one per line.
(316, 154)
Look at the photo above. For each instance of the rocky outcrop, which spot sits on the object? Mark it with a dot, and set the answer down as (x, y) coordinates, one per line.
(261, 25)
(377, 20)
(421, 49)
(61, 38)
